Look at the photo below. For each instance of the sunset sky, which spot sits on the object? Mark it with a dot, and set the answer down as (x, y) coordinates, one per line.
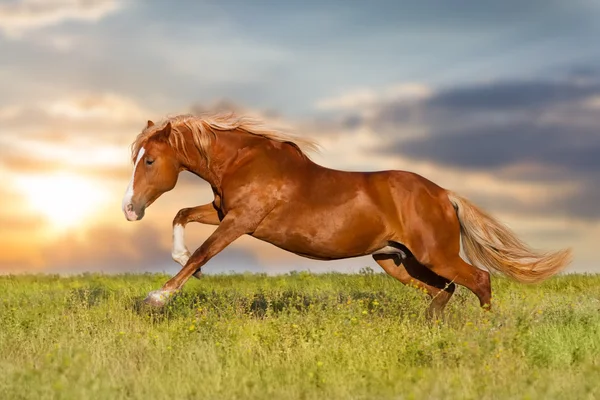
(499, 101)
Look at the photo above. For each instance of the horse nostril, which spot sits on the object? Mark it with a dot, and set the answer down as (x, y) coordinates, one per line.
(129, 207)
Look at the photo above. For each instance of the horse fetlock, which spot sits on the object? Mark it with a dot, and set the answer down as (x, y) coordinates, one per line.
(181, 257)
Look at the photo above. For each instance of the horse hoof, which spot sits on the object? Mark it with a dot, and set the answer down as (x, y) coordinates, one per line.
(158, 298)
(198, 274)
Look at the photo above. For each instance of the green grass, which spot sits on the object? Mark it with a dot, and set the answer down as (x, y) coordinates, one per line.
(299, 336)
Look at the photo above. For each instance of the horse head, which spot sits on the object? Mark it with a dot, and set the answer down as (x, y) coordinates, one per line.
(155, 172)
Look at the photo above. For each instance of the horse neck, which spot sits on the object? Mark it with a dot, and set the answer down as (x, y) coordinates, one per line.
(231, 145)
(222, 150)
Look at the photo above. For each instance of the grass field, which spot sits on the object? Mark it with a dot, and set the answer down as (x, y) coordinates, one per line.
(300, 336)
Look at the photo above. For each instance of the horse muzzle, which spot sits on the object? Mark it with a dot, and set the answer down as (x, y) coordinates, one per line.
(131, 214)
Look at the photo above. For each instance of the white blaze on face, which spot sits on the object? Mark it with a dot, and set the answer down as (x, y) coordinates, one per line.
(130, 214)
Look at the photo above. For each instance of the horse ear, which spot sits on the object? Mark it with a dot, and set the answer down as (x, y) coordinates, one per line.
(150, 124)
(165, 132)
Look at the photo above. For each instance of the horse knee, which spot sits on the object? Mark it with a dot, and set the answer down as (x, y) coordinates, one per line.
(181, 218)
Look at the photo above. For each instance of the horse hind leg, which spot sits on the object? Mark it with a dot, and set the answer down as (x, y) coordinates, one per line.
(434, 240)
(446, 262)
(410, 272)
(475, 279)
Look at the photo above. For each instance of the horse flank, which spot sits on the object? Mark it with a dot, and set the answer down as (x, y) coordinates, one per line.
(205, 127)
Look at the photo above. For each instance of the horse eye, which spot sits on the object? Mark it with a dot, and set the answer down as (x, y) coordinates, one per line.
(149, 162)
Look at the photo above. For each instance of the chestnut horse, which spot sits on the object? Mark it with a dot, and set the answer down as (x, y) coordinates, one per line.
(266, 186)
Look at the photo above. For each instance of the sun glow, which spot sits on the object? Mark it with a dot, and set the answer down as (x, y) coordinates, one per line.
(64, 199)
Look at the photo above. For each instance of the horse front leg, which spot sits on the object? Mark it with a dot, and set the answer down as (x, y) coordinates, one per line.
(228, 231)
(204, 214)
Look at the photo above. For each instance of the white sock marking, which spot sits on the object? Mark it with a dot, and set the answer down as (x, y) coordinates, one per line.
(180, 253)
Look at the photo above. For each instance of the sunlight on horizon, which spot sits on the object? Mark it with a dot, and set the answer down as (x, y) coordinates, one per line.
(65, 199)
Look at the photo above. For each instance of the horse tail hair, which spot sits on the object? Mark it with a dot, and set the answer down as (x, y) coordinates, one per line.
(489, 243)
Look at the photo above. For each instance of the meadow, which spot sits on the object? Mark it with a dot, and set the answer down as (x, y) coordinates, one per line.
(295, 336)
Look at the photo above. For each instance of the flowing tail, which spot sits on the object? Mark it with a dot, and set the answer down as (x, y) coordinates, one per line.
(490, 244)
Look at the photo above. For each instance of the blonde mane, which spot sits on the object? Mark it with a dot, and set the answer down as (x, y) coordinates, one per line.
(204, 128)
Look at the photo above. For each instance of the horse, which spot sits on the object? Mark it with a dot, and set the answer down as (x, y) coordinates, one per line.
(265, 185)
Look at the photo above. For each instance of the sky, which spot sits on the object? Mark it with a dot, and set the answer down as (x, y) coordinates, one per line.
(499, 101)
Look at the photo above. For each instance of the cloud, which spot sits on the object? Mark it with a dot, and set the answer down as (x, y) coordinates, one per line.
(110, 106)
(103, 109)
(367, 97)
(17, 17)
(513, 95)
(498, 146)
(110, 249)
(90, 133)
(29, 156)
(542, 131)
(100, 248)
(30, 164)
(593, 102)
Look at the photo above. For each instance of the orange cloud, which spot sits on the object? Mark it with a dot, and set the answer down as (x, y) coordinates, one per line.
(32, 165)
(116, 108)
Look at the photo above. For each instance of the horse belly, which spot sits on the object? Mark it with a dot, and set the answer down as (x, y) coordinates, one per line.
(327, 235)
